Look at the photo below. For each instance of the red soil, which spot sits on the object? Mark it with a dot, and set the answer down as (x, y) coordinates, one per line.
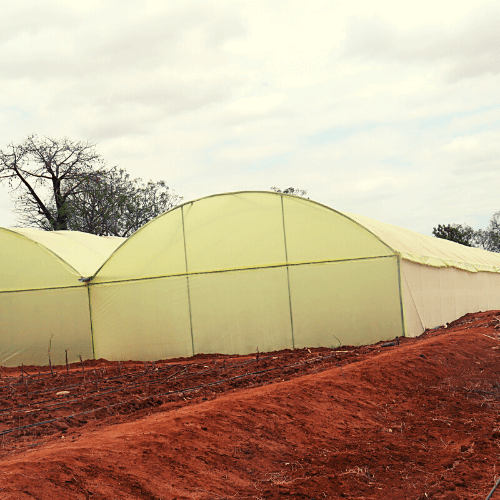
(411, 421)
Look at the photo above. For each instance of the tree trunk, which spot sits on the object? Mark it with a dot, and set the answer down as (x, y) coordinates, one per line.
(61, 222)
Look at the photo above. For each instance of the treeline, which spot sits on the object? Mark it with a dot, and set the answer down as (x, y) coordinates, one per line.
(487, 239)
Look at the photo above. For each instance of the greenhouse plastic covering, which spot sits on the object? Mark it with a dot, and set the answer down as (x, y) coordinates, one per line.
(233, 273)
(43, 305)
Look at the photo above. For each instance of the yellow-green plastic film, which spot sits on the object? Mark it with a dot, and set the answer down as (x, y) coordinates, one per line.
(146, 319)
(41, 295)
(430, 251)
(157, 249)
(316, 233)
(84, 252)
(350, 302)
(234, 231)
(227, 256)
(33, 321)
(233, 273)
(27, 265)
(241, 311)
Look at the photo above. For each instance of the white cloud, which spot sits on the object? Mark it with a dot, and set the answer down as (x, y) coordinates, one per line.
(387, 109)
(466, 50)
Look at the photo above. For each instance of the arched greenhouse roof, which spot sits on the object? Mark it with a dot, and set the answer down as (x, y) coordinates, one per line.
(241, 230)
(431, 251)
(248, 229)
(32, 259)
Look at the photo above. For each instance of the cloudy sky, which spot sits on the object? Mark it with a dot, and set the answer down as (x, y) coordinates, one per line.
(387, 109)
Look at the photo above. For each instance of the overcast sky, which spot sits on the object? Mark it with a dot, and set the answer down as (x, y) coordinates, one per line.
(387, 109)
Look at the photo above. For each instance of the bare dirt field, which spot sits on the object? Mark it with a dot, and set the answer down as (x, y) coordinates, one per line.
(414, 420)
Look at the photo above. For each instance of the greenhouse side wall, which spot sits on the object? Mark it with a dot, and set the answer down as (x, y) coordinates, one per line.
(351, 302)
(34, 321)
(242, 272)
(42, 304)
(443, 294)
(141, 319)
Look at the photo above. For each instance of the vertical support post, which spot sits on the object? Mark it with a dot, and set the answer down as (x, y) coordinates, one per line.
(90, 317)
(403, 327)
(287, 272)
(187, 280)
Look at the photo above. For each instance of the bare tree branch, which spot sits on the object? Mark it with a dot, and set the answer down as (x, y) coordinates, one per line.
(49, 171)
(62, 184)
(290, 190)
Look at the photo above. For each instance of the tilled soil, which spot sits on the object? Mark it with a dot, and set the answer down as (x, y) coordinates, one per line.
(414, 419)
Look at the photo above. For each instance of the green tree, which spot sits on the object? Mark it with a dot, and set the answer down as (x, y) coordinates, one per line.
(459, 233)
(117, 205)
(489, 238)
(61, 184)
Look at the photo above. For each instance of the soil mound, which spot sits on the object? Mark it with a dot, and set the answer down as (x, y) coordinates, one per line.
(413, 420)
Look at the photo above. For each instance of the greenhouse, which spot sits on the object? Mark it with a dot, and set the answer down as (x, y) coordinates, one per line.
(248, 271)
(233, 273)
(42, 302)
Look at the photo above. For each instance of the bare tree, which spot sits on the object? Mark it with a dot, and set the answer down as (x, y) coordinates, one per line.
(45, 174)
(290, 190)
